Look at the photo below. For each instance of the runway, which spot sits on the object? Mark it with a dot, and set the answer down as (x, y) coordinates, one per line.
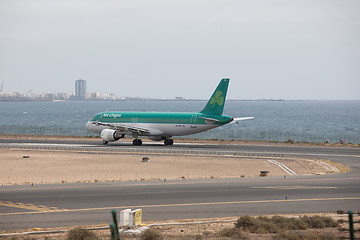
(91, 203)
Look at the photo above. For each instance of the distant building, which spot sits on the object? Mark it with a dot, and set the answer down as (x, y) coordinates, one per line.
(62, 96)
(94, 96)
(80, 90)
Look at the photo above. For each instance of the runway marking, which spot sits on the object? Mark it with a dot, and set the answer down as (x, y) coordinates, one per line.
(100, 185)
(315, 154)
(29, 206)
(283, 167)
(47, 144)
(295, 187)
(186, 204)
(326, 165)
(123, 193)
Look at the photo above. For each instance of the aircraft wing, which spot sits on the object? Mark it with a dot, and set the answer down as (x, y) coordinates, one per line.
(236, 120)
(123, 128)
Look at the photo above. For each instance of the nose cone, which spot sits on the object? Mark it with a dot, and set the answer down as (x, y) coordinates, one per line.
(90, 126)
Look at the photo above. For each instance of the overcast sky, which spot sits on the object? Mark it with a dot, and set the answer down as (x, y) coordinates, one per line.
(166, 48)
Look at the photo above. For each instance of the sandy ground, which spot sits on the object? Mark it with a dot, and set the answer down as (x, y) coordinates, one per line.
(64, 166)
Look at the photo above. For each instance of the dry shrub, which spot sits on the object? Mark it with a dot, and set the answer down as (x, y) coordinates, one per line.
(265, 225)
(296, 236)
(234, 233)
(289, 223)
(319, 222)
(301, 235)
(256, 225)
(245, 222)
(151, 235)
(81, 234)
(278, 224)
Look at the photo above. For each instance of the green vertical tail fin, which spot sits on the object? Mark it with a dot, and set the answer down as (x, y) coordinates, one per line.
(216, 103)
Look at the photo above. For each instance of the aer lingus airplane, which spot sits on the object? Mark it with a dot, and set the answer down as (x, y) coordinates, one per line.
(162, 125)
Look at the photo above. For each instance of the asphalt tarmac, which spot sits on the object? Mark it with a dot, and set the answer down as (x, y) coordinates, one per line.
(91, 203)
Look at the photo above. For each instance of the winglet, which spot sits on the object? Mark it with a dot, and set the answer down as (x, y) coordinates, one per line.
(217, 101)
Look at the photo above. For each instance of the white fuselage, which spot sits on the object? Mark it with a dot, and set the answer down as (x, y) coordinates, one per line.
(158, 129)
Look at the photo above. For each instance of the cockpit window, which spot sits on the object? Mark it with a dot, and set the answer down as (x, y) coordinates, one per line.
(97, 117)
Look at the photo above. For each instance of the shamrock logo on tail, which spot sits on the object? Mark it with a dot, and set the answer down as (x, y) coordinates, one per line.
(217, 99)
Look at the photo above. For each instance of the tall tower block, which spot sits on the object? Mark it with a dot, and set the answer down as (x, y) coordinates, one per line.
(80, 89)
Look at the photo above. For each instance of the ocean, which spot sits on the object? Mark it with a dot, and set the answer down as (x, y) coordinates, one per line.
(300, 121)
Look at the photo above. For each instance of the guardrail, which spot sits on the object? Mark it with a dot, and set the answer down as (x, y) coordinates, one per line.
(56, 147)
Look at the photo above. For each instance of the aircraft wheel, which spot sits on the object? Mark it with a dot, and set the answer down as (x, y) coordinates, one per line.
(137, 142)
(105, 142)
(168, 142)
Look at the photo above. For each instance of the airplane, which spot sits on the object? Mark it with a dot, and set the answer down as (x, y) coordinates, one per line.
(159, 126)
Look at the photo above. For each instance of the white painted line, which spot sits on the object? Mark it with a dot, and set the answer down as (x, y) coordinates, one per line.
(283, 167)
(327, 166)
(46, 144)
(317, 154)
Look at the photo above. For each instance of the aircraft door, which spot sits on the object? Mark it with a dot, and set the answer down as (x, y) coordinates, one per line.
(134, 120)
(193, 121)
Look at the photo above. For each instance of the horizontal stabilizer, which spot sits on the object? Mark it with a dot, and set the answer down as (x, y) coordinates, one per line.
(236, 120)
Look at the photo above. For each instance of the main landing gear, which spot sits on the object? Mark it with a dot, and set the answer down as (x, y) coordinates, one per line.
(137, 142)
(168, 142)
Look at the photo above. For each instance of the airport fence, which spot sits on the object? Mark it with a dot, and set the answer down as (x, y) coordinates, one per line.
(281, 136)
(351, 221)
(222, 133)
(45, 130)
